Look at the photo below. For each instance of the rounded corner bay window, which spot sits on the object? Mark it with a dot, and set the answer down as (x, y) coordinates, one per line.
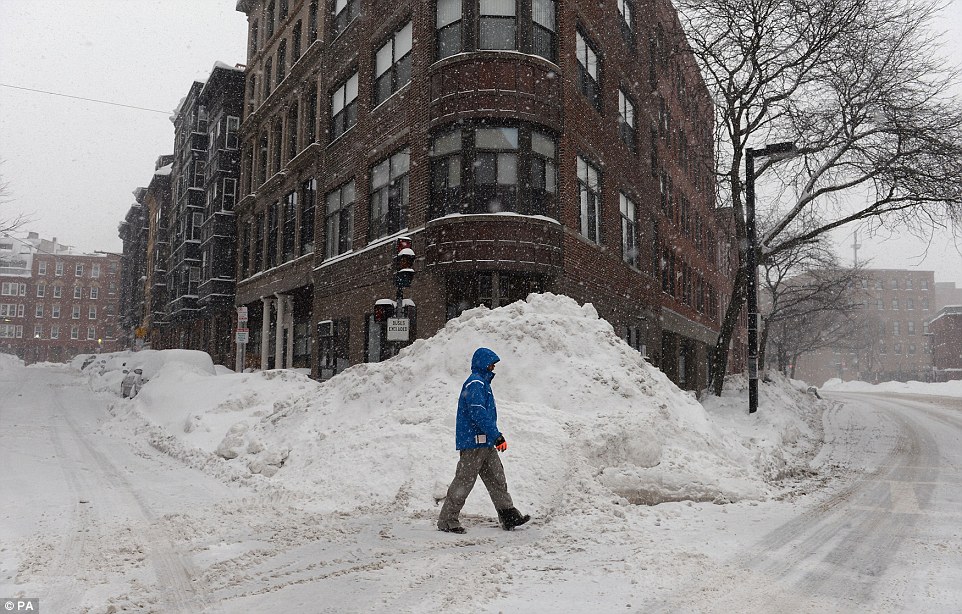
(528, 26)
(483, 168)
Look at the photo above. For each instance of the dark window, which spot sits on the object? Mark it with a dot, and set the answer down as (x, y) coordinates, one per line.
(296, 42)
(389, 195)
(626, 120)
(498, 24)
(308, 205)
(255, 27)
(277, 138)
(448, 28)
(311, 127)
(345, 11)
(271, 16)
(284, 11)
(281, 61)
(544, 33)
(292, 132)
(589, 196)
(629, 231)
(392, 64)
(290, 225)
(339, 220)
(312, 22)
(588, 71)
(268, 72)
(626, 8)
(446, 190)
(258, 246)
(344, 107)
(273, 226)
(262, 159)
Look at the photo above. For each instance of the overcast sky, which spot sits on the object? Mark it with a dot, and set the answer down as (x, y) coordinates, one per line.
(73, 164)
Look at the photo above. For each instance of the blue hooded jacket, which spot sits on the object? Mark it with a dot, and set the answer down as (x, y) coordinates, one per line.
(477, 423)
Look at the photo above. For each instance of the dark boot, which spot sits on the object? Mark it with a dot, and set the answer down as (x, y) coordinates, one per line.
(511, 518)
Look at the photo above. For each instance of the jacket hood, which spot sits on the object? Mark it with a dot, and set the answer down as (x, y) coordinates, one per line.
(483, 358)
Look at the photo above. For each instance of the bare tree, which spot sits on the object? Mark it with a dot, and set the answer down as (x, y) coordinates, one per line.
(859, 87)
(8, 223)
(812, 304)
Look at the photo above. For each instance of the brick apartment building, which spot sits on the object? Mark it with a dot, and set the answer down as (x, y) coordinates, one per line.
(55, 302)
(187, 244)
(529, 145)
(897, 305)
(946, 331)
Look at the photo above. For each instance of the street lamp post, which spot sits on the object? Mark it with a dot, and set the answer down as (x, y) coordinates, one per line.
(775, 151)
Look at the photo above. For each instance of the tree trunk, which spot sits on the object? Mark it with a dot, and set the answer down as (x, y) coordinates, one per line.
(719, 354)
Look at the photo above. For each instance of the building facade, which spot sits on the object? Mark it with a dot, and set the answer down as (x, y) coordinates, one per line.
(55, 302)
(194, 251)
(946, 331)
(133, 232)
(894, 344)
(524, 146)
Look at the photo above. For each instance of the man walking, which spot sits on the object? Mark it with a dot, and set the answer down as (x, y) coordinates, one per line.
(478, 439)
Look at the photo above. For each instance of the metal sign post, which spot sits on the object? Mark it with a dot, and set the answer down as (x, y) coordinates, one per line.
(242, 336)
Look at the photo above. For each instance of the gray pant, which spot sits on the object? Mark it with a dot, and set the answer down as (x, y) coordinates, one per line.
(482, 462)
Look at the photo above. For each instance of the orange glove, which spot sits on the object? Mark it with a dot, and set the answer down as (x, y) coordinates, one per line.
(500, 444)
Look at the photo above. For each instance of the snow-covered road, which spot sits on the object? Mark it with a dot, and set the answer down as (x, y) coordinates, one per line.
(89, 508)
(888, 538)
(100, 512)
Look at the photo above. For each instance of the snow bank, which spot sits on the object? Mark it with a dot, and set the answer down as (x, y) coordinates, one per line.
(590, 424)
(944, 389)
(9, 361)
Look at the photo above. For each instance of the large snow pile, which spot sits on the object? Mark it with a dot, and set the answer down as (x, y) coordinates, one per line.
(9, 361)
(948, 389)
(588, 421)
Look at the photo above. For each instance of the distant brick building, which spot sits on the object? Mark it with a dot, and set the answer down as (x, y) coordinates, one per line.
(525, 146)
(896, 345)
(55, 302)
(946, 331)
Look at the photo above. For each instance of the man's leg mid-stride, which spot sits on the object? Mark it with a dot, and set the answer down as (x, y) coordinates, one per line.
(469, 465)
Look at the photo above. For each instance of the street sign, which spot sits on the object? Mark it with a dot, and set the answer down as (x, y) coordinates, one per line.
(243, 334)
(398, 329)
(241, 314)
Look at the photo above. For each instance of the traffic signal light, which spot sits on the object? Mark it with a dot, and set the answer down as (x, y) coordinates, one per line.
(383, 309)
(404, 263)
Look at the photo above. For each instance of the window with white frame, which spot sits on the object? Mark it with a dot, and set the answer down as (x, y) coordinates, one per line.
(38, 311)
(339, 220)
(42, 268)
(345, 12)
(55, 311)
(544, 29)
(448, 21)
(626, 119)
(77, 292)
(91, 332)
(55, 332)
(75, 332)
(38, 331)
(392, 64)
(57, 291)
(231, 139)
(95, 270)
(629, 231)
(896, 329)
(589, 196)
(79, 270)
(230, 193)
(389, 194)
(498, 24)
(41, 290)
(11, 331)
(344, 107)
(92, 312)
(589, 74)
(8, 310)
(75, 312)
(58, 269)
